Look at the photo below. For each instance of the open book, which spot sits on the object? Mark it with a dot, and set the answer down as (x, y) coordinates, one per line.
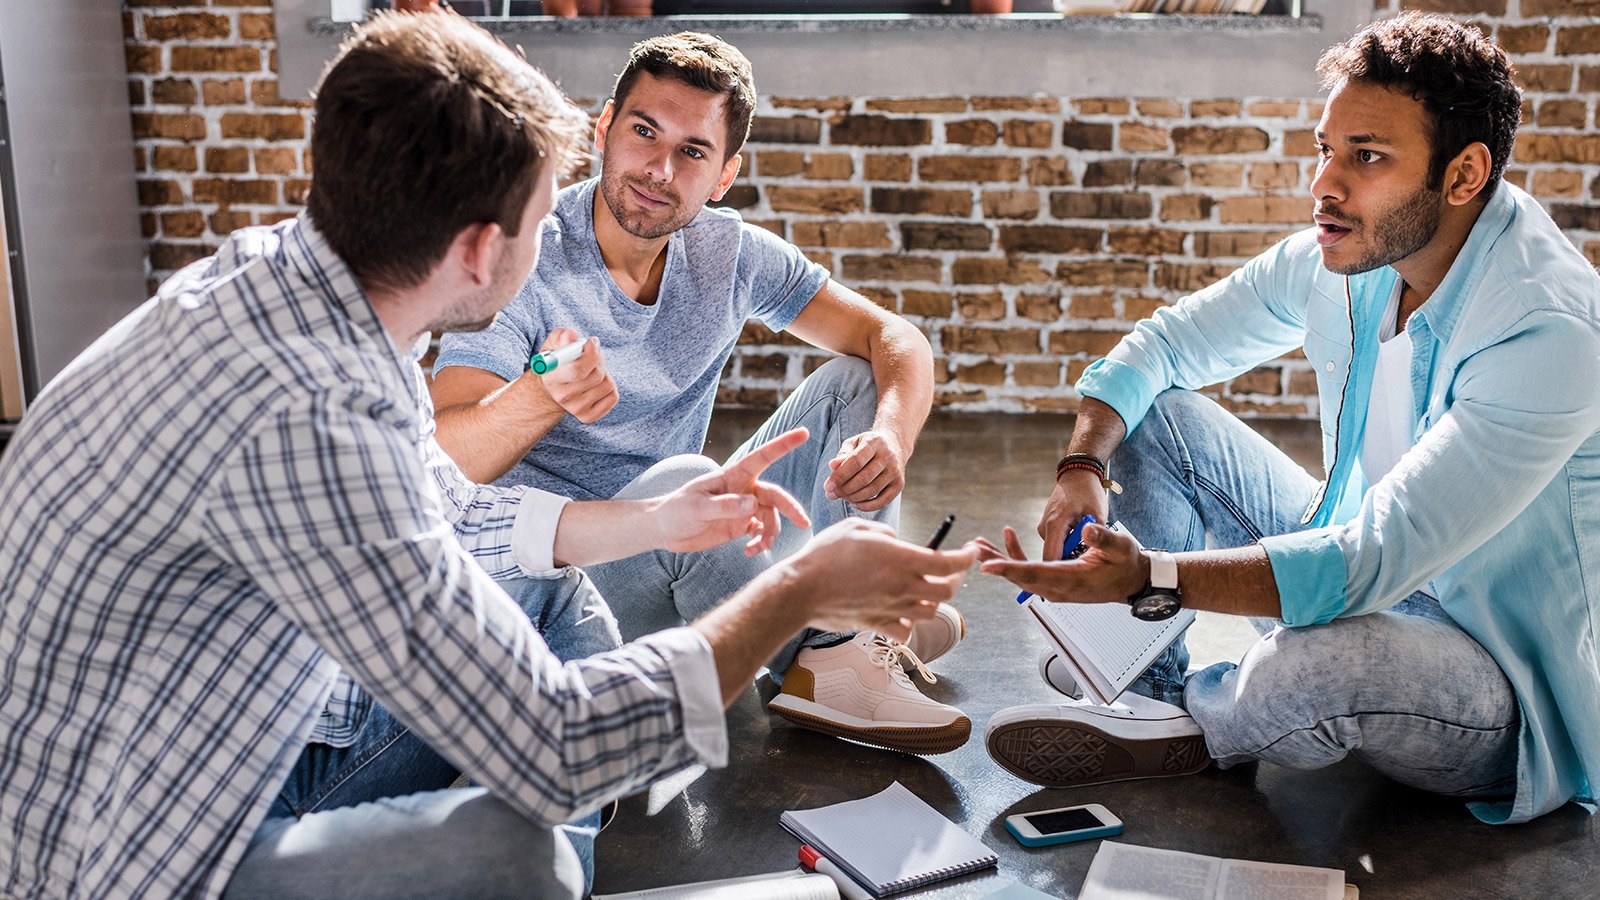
(1102, 644)
(1130, 872)
(795, 884)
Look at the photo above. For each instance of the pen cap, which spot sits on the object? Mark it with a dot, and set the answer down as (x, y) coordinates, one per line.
(809, 857)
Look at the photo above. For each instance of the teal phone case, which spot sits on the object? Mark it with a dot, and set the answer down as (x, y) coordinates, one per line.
(1065, 837)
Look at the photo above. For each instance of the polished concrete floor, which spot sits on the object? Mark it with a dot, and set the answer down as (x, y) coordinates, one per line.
(994, 470)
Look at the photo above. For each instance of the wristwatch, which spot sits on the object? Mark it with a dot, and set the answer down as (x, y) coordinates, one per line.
(1159, 600)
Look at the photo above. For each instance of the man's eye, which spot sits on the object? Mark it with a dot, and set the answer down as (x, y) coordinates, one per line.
(641, 131)
(1367, 156)
(1323, 150)
(693, 153)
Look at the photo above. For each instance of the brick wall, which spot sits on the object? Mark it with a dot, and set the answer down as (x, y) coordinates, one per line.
(1023, 234)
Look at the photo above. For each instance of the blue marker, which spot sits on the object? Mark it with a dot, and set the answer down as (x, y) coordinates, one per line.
(545, 362)
(1070, 547)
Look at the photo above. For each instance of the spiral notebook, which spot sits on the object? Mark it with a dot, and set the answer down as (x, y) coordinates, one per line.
(891, 841)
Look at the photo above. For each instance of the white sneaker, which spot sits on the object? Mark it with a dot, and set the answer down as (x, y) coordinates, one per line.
(1070, 744)
(933, 638)
(1055, 674)
(857, 690)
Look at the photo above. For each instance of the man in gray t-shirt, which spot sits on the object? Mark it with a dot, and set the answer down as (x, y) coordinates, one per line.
(659, 287)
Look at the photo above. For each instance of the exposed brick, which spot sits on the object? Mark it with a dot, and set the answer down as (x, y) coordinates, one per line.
(818, 104)
(1010, 204)
(920, 105)
(778, 163)
(1589, 79)
(1075, 369)
(176, 91)
(264, 92)
(1523, 38)
(229, 191)
(1027, 133)
(256, 26)
(1535, 9)
(1093, 343)
(1190, 277)
(1105, 273)
(973, 132)
(186, 223)
(893, 268)
(215, 59)
(842, 234)
(1573, 40)
(147, 226)
(1016, 104)
(265, 126)
(1087, 135)
(166, 256)
(985, 307)
(1049, 239)
(1265, 380)
(223, 93)
(820, 257)
(1049, 171)
(945, 236)
(1161, 109)
(276, 160)
(1144, 241)
(1266, 209)
(969, 168)
(785, 130)
(136, 95)
(1202, 140)
(1001, 270)
(992, 341)
(1039, 307)
(990, 372)
(777, 226)
(1568, 148)
(1200, 109)
(1036, 373)
(1557, 183)
(1108, 173)
(1233, 243)
(187, 26)
(934, 304)
(1186, 208)
(740, 196)
(1093, 306)
(1136, 137)
(168, 158)
(1591, 252)
(1274, 176)
(815, 199)
(1300, 143)
(1103, 106)
(1545, 78)
(888, 167)
(1273, 109)
(1138, 306)
(1057, 403)
(746, 398)
(880, 131)
(159, 192)
(226, 221)
(1518, 177)
(1464, 7)
(175, 126)
(142, 59)
(764, 366)
(1575, 217)
(1159, 173)
(922, 201)
(139, 159)
(1100, 205)
(1563, 114)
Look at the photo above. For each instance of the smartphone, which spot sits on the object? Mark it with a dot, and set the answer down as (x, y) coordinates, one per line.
(1060, 826)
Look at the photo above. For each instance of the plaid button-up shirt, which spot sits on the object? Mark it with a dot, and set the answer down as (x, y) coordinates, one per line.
(233, 502)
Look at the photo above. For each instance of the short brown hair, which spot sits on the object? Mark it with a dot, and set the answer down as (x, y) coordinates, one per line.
(1462, 79)
(700, 61)
(425, 125)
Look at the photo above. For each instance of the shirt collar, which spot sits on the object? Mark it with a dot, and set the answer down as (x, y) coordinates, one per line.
(322, 270)
(1444, 307)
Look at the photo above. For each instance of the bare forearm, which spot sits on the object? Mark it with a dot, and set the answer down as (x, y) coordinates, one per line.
(748, 629)
(597, 531)
(902, 367)
(1099, 430)
(1237, 581)
(488, 437)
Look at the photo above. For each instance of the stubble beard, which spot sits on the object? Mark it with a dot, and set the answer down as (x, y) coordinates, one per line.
(614, 188)
(1400, 231)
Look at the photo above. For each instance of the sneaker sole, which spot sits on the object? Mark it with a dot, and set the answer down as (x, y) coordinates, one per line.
(920, 741)
(1059, 754)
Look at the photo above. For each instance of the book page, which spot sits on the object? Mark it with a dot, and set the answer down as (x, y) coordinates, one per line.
(1129, 872)
(793, 885)
(1245, 880)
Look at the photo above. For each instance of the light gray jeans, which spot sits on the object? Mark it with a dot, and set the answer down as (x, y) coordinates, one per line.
(663, 589)
(1405, 690)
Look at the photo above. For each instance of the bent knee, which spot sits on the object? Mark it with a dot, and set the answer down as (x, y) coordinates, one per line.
(845, 375)
(668, 475)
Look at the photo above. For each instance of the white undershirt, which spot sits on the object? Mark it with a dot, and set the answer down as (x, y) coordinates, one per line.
(1389, 417)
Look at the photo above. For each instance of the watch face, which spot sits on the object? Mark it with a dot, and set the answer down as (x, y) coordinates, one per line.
(1154, 607)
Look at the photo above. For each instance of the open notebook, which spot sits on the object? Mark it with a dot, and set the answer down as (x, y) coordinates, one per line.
(1102, 644)
(891, 841)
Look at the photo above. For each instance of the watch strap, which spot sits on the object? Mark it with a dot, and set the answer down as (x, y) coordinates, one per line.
(1163, 570)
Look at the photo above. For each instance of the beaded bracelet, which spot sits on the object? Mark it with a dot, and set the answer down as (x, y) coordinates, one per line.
(1088, 463)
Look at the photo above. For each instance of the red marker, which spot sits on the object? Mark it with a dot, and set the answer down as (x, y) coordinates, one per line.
(849, 888)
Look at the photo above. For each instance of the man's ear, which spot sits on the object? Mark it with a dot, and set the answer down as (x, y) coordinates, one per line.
(1466, 175)
(730, 171)
(478, 247)
(603, 125)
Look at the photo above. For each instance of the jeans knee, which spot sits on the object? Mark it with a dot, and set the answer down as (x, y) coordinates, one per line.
(668, 475)
(846, 376)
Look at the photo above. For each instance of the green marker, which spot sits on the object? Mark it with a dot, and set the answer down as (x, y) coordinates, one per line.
(546, 362)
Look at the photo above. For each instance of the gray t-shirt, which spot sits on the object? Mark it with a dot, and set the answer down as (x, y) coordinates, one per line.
(666, 358)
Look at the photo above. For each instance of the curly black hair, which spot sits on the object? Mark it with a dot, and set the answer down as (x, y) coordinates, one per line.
(1462, 79)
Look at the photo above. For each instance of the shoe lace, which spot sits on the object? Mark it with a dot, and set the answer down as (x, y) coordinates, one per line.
(887, 654)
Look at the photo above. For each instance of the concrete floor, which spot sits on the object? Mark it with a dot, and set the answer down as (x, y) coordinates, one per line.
(993, 470)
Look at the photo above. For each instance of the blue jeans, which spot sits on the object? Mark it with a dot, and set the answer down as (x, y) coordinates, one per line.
(661, 589)
(1405, 690)
(374, 818)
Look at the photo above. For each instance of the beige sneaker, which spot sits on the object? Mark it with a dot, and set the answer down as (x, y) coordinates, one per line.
(858, 690)
(933, 638)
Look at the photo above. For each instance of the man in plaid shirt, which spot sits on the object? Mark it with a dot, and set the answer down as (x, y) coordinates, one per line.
(231, 510)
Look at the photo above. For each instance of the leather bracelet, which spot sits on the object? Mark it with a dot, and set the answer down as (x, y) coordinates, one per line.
(1105, 482)
(1087, 459)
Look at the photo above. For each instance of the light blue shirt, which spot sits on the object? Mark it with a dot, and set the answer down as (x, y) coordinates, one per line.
(1495, 508)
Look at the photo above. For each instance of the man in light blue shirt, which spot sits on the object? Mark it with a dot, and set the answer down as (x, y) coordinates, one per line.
(1439, 593)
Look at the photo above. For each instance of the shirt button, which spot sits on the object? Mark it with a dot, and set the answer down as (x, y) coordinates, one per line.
(1329, 367)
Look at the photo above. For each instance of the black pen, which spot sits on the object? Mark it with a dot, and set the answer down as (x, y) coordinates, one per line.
(941, 532)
